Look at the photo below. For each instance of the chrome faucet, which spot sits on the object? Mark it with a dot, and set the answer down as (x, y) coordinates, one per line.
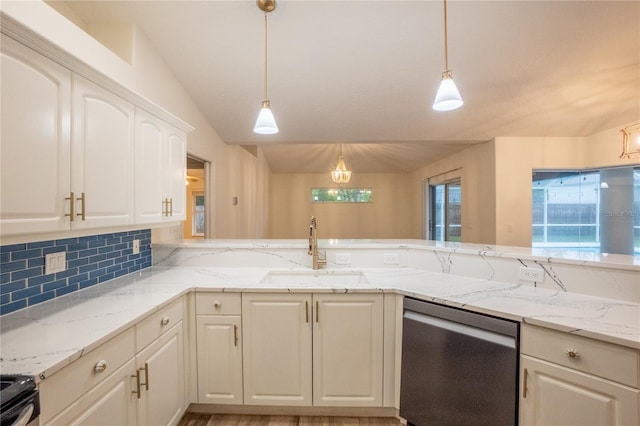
(318, 260)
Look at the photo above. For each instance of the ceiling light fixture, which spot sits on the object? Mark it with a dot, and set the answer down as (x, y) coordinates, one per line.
(448, 97)
(341, 175)
(627, 149)
(266, 123)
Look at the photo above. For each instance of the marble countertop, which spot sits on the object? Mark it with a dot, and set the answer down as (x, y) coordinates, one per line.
(44, 338)
(559, 255)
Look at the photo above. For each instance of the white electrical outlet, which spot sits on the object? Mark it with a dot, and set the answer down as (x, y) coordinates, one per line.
(535, 275)
(343, 258)
(55, 262)
(391, 259)
(136, 246)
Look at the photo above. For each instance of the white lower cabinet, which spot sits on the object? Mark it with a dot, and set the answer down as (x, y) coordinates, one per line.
(348, 349)
(136, 378)
(321, 350)
(277, 349)
(160, 374)
(107, 404)
(572, 380)
(219, 348)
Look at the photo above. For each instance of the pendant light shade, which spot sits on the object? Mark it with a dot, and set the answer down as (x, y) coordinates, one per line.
(341, 175)
(266, 123)
(448, 97)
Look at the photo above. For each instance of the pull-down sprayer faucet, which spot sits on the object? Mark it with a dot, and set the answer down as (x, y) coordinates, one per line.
(318, 260)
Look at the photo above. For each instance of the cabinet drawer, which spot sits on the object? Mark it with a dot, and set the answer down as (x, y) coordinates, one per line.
(602, 359)
(218, 303)
(76, 379)
(156, 324)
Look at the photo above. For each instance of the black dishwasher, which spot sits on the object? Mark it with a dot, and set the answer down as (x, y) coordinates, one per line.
(458, 367)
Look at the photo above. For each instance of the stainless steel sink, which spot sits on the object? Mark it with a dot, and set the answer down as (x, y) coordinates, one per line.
(317, 277)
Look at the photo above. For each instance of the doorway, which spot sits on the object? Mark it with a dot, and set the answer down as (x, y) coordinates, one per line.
(196, 222)
(445, 211)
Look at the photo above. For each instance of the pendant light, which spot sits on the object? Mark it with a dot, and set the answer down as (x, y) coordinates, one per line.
(448, 97)
(266, 123)
(341, 175)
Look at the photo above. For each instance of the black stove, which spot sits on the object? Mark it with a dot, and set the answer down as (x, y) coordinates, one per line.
(19, 400)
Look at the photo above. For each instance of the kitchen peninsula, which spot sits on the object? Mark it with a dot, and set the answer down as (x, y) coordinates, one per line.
(585, 296)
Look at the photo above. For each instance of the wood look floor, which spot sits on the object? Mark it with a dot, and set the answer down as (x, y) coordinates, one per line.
(193, 419)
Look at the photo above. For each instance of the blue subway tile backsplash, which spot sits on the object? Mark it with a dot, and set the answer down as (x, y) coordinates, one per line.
(89, 261)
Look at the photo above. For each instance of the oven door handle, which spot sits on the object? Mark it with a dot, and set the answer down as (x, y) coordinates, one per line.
(25, 416)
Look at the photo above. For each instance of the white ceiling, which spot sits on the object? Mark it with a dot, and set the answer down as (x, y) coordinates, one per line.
(364, 74)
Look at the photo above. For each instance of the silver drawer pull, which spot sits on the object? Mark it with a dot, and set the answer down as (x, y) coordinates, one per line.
(164, 321)
(572, 353)
(217, 304)
(100, 366)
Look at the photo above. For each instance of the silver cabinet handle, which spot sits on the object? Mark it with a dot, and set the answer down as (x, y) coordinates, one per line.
(100, 366)
(572, 353)
(164, 321)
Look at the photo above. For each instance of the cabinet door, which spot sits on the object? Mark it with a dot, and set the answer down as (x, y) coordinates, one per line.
(554, 395)
(102, 157)
(109, 403)
(277, 349)
(162, 396)
(348, 349)
(149, 167)
(176, 173)
(35, 149)
(219, 354)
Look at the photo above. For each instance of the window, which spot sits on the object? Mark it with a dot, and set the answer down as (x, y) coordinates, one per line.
(198, 219)
(445, 221)
(587, 209)
(342, 195)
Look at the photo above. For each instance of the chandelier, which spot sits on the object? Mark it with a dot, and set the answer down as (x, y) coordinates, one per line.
(341, 175)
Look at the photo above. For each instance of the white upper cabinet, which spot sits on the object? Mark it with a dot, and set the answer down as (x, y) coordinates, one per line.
(102, 157)
(176, 173)
(35, 141)
(149, 160)
(75, 155)
(160, 169)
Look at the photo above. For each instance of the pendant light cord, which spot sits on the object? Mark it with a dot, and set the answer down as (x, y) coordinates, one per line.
(266, 97)
(446, 43)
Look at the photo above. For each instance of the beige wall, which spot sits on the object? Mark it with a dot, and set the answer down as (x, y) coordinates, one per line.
(475, 166)
(516, 158)
(496, 181)
(388, 216)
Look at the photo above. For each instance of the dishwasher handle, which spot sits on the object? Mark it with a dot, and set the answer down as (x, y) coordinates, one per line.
(468, 330)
